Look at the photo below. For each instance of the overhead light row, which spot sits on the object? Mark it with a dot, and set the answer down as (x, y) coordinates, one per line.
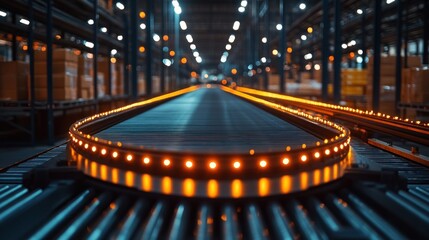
(184, 27)
(235, 27)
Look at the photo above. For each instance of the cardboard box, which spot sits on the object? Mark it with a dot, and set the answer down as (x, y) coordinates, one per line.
(85, 65)
(58, 67)
(103, 66)
(412, 61)
(419, 85)
(14, 80)
(58, 54)
(59, 94)
(58, 81)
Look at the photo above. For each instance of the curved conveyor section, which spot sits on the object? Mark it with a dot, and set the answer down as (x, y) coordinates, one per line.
(210, 143)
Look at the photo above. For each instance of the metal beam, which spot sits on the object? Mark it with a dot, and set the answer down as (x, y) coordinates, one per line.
(338, 52)
(266, 50)
(325, 49)
(363, 35)
(126, 40)
(398, 80)
(176, 48)
(32, 87)
(162, 66)
(282, 88)
(377, 57)
(426, 33)
(133, 49)
(95, 52)
(149, 41)
(50, 112)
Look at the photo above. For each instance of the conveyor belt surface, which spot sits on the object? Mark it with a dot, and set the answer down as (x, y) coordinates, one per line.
(210, 121)
(358, 210)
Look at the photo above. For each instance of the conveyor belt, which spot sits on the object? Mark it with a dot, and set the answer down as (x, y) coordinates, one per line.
(210, 121)
(348, 209)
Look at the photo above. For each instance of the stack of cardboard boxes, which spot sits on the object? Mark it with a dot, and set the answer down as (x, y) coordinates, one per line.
(103, 71)
(387, 81)
(353, 82)
(415, 85)
(64, 75)
(120, 78)
(14, 80)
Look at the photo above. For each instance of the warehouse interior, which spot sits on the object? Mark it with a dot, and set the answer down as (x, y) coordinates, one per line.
(198, 100)
(354, 61)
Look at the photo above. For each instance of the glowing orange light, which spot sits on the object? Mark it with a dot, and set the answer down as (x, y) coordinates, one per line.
(80, 143)
(167, 162)
(25, 47)
(129, 157)
(212, 165)
(285, 161)
(115, 154)
(335, 149)
(263, 163)
(142, 49)
(103, 151)
(341, 146)
(317, 155)
(267, 69)
(351, 54)
(146, 160)
(165, 37)
(193, 74)
(304, 158)
(288, 148)
(234, 71)
(188, 164)
(94, 148)
(289, 50)
(331, 58)
(224, 82)
(183, 60)
(142, 14)
(172, 53)
(304, 146)
(113, 60)
(236, 164)
(86, 146)
(251, 151)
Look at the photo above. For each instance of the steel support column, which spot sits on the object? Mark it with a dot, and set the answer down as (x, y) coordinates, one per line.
(398, 73)
(95, 52)
(50, 112)
(14, 41)
(338, 53)
(162, 66)
(426, 33)
(376, 62)
(125, 40)
(109, 73)
(133, 49)
(282, 87)
(176, 48)
(31, 56)
(266, 49)
(149, 41)
(363, 35)
(325, 49)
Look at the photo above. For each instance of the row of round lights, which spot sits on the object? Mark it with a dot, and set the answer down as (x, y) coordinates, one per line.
(263, 163)
(105, 150)
(189, 38)
(235, 27)
(370, 113)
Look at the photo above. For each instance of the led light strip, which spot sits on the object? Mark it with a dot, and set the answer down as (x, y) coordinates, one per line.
(202, 166)
(331, 106)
